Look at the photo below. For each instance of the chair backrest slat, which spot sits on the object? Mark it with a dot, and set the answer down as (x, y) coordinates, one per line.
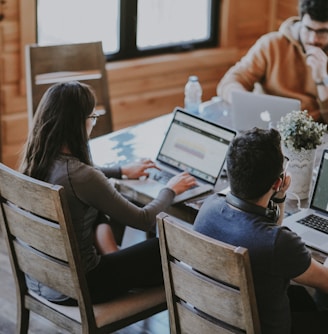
(29, 197)
(38, 265)
(178, 243)
(219, 297)
(192, 323)
(41, 234)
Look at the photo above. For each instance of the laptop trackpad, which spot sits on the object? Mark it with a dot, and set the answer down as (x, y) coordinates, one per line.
(312, 238)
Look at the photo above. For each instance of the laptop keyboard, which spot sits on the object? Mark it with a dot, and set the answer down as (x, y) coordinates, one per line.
(162, 176)
(316, 222)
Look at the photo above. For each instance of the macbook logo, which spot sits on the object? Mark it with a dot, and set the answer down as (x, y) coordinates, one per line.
(265, 116)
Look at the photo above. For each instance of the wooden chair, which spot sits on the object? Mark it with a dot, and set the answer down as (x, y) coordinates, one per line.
(85, 62)
(209, 286)
(37, 227)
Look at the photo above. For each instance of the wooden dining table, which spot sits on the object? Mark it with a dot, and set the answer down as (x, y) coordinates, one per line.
(144, 140)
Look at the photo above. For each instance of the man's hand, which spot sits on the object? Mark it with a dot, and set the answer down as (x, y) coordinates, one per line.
(317, 60)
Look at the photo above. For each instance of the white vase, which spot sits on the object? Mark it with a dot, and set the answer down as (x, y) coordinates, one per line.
(301, 171)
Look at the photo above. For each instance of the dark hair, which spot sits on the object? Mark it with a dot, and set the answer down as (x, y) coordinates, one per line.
(254, 162)
(317, 9)
(60, 120)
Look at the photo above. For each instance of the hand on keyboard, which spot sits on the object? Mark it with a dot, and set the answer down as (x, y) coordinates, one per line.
(181, 182)
(138, 169)
(161, 176)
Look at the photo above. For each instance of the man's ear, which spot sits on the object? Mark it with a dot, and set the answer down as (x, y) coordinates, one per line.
(277, 184)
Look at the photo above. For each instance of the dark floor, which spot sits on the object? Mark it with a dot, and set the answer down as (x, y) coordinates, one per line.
(158, 324)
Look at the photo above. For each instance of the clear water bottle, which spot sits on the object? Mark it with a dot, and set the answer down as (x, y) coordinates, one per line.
(193, 94)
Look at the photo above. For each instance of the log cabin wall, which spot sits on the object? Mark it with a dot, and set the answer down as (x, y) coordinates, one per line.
(139, 88)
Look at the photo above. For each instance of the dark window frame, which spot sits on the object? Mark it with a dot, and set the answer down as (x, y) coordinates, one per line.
(128, 44)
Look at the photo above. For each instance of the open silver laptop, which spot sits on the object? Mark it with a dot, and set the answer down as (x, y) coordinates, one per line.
(314, 234)
(191, 144)
(250, 110)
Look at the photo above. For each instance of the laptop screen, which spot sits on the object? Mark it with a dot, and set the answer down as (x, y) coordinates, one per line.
(320, 192)
(196, 145)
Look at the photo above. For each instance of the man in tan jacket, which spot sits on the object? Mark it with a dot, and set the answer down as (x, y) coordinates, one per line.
(291, 62)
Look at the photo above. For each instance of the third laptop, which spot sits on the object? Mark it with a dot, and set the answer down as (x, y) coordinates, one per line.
(250, 109)
(191, 144)
(311, 224)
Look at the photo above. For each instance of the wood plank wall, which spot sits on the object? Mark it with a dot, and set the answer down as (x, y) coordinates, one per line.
(139, 88)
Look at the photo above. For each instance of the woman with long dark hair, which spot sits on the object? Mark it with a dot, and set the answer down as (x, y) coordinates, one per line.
(57, 152)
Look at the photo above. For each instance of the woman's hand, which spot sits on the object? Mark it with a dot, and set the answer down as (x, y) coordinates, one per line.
(181, 182)
(137, 169)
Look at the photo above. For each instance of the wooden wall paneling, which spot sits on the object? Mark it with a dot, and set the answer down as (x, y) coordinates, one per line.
(10, 36)
(10, 8)
(135, 76)
(137, 85)
(249, 32)
(138, 108)
(228, 19)
(253, 10)
(127, 110)
(1, 85)
(286, 9)
(11, 68)
(281, 10)
(272, 15)
(11, 154)
(14, 129)
(13, 113)
(1, 40)
(252, 22)
(13, 101)
(1, 60)
(27, 10)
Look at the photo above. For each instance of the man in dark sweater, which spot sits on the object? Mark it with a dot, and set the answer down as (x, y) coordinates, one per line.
(250, 216)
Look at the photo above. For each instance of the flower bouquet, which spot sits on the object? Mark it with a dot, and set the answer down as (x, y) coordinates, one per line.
(300, 136)
(299, 131)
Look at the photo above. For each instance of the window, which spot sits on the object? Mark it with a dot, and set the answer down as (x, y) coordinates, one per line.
(69, 21)
(130, 28)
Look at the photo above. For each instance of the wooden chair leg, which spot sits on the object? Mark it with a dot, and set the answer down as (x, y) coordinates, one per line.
(23, 319)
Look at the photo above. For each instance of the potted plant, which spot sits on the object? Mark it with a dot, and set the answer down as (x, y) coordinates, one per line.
(300, 132)
(300, 136)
